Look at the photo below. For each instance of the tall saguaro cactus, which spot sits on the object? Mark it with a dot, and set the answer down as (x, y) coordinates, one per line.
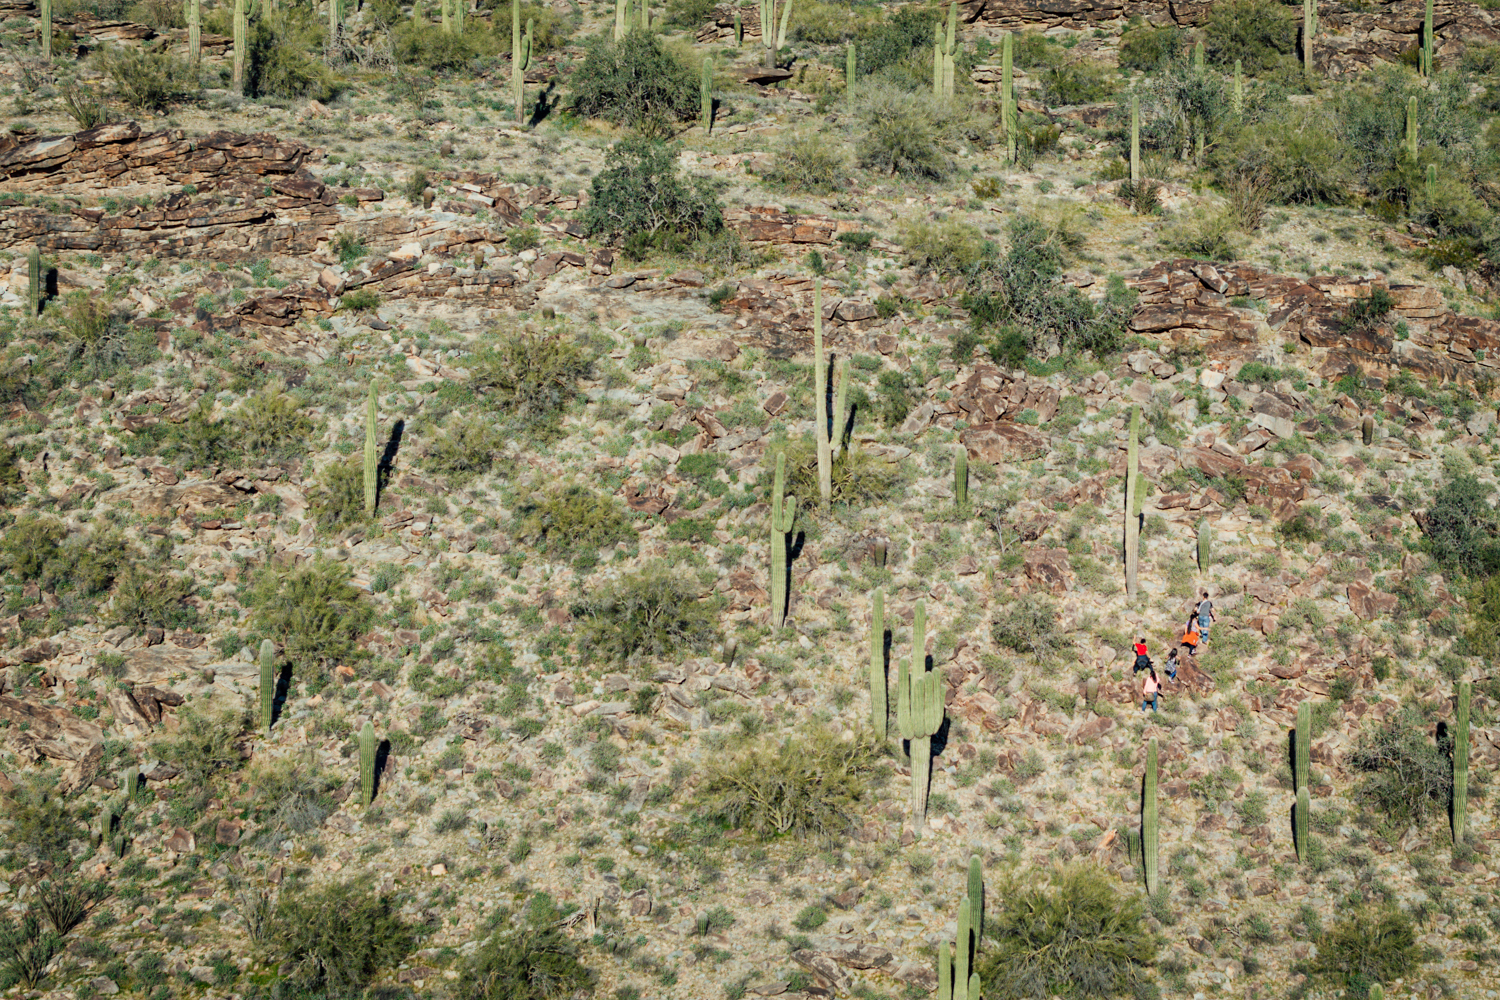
(1008, 116)
(621, 6)
(195, 32)
(820, 401)
(976, 897)
(241, 43)
(34, 289)
(706, 94)
(1301, 756)
(44, 27)
(961, 477)
(1239, 89)
(851, 64)
(1309, 28)
(783, 514)
(1132, 503)
(944, 45)
(1205, 545)
(367, 764)
(372, 457)
(919, 714)
(1411, 129)
(520, 58)
(1427, 40)
(1461, 760)
(879, 692)
(1135, 139)
(772, 39)
(1150, 841)
(267, 683)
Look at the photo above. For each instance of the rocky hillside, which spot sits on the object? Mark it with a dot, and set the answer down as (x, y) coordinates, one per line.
(390, 546)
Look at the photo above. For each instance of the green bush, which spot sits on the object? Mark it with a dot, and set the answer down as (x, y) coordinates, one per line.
(550, 28)
(914, 133)
(809, 161)
(204, 746)
(313, 610)
(564, 521)
(359, 300)
(1407, 774)
(1366, 946)
(1482, 637)
(270, 426)
(98, 341)
(463, 450)
(809, 784)
(640, 197)
(859, 479)
(419, 42)
(1202, 234)
(1077, 936)
(1368, 312)
(338, 936)
(31, 546)
(530, 963)
(1146, 47)
(26, 949)
(1298, 156)
(810, 918)
(1256, 32)
(653, 612)
(636, 83)
(949, 247)
(1463, 527)
(1077, 81)
(154, 599)
(883, 42)
(337, 499)
(1029, 624)
(529, 377)
(148, 80)
(280, 63)
(822, 23)
(40, 821)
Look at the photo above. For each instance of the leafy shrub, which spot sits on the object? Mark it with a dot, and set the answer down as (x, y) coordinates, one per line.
(1482, 637)
(550, 28)
(1028, 625)
(25, 951)
(1369, 945)
(147, 80)
(566, 520)
(279, 63)
(313, 609)
(31, 546)
(635, 82)
(463, 450)
(652, 612)
(337, 500)
(1256, 32)
(1146, 47)
(949, 247)
(810, 918)
(639, 195)
(359, 300)
(1463, 527)
(337, 936)
(204, 745)
(1077, 81)
(1366, 313)
(98, 340)
(154, 599)
(1202, 234)
(1407, 774)
(531, 963)
(1076, 937)
(886, 41)
(40, 820)
(271, 426)
(528, 376)
(914, 133)
(1298, 155)
(809, 784)
(822, 23)
(419, 42)
(808, 161)
(858, 477)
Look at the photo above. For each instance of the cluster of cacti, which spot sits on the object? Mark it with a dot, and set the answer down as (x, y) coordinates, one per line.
(879, 693)
(1132, 503)
(956, 978)
(1135, 139)
(919, 714)
(1411, 129)
(1367, 431)
(520, 57)
(1009, 119)
(34, 288)
(772, 35)
(1205, 545)
(1461, 760)
(267, 683)
(241, 43)
(961, 477)
(944, 46)
(783, 514)
(1427, 41)
(1301, 750)
(195, 31)
(367, 764)
(1150, 841)
(1309, 29)
(44, 29)
(706, 94)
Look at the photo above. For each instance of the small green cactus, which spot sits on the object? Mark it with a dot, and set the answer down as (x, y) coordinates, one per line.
(976, 898)
(195, 31)
(1431, 183)
(1367, 431)
(34, 287)
(367, 764)
(783, 515)
(267, 683)
(106, 826)
(703, 924)
(1377, 992)
(961, 477)
(879, 692)
(920, 696)
(1092, 687)
(372, 457)
(1150, 843)
(1205, 545)
(1461, 760)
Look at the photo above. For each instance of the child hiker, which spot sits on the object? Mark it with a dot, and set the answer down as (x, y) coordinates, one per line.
(1171, 665)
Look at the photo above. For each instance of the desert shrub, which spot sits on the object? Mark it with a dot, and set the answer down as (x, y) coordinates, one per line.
(1146, 47)
(635, 82)
(894, 396)
(313, 610)
(337, 499)
(652, 612)
(1482, 636)
(1367, 313)
(1144, 196)
(12, 485)
(810, 918)
(529, 963)
(914, 133)
(148, 80)
(949, 247)
(1463, 527)
(337, 936)
(26, 949)
(1406, 773)
(205, 745)
(809, 784)
(280, 63)
(359, 300)
(1297, 154)
(809, 161)
(858, 478)
(1369, 945)
(1203, 234)
(641, 197)
(529, 377)
(566, 520)
(1077, 937)
(40, 820)
(31, 545)
(1028, 625)
(419, 42)
(290, 797)
(550, 28)
(1077, 81)
(1177, 106)
(822, 23)
(270, 426)
(1256, 32)
(886, 41)
(153, 598)
(97, 339)
(65, 900)
(463, 450)
(160, 14)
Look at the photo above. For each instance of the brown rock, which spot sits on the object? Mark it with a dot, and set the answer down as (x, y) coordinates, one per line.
(1003, 442)
(1048, 569)
(181, 841)
(1367, 604)
(228, 832)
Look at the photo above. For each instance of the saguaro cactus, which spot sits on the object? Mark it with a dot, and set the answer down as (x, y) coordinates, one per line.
(945, 971)
(820, 401)
(1427, 40)
(1135, 139)
(1367, 431)
(879, 693)
(267, 683)
(976, 898)
(520, 58)
(1461, 760)
(1431, 182)
(963, 951)
(1309, 28)
(851, 63)
(34, 288)
(1008, 114)
(367, 764)
(372, 457)
(1205, 545)
(621, 7)
(1132, 498)
(771, 38)
(840, 406)
(106, 826)
(1198, 57)
(782, 517)
(1149, 839)
(44, 27)
(919, 714)
(706, 94)
(961, 476)
(944, 45)
(739, 30)
(1411, 129)
(241, 33)
(1301, 748)
(195, 32)
(1239, 89)
(335, 22)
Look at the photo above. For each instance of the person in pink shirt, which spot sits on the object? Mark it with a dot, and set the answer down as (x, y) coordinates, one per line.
(1150, 690)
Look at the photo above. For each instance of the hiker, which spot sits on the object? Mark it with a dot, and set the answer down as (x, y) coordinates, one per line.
(1142, 659)
(1150, 690)
(1206, 616)
(1190, 635)
(1171, 665)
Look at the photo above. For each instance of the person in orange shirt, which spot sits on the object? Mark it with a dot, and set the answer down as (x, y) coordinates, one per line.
(1190, 634)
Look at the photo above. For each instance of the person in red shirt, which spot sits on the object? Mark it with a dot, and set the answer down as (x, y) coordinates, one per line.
(1142, 658)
